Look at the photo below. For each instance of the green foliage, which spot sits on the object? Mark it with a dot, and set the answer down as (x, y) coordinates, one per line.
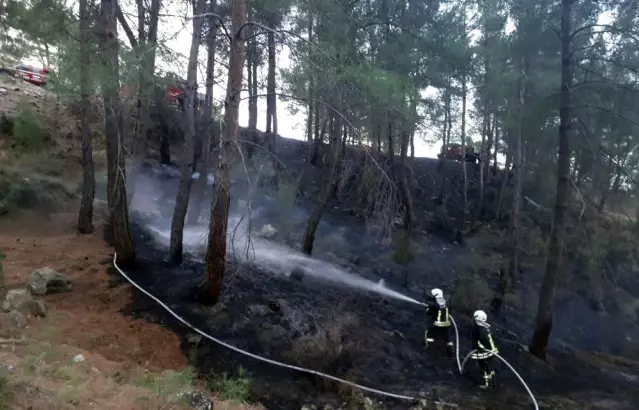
(470, 292)
(404, 254)
(16, 193)
(2, 282)
(169, 383)
(20, 192)
(29, 132)
(232, 388)
(40, 26)
(6, 395)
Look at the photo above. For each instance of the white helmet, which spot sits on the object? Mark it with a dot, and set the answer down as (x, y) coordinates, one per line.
(480, 316)
(437, 293)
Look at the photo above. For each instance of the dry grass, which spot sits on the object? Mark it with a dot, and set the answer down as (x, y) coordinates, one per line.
(328, 346)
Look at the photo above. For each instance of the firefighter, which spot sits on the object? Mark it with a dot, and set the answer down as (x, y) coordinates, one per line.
(484, 346)
(438, 314)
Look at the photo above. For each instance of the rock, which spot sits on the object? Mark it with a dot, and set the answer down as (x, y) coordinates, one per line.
(35, 308)
(194, 338)
(78, 358)
(8, 326)
(259, 310)
(45, 281)
(18, 319)
(308, 407)
(15, 298)
(3, 91)
(268, 231)
(196, 399)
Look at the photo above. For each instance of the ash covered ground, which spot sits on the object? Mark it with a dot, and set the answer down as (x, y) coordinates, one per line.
(354, 334)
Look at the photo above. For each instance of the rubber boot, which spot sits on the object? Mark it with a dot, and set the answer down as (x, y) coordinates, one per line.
(450, 349)
(487, 381)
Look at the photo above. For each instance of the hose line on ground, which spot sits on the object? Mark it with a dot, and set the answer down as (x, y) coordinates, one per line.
(532, 396)
(264, 359)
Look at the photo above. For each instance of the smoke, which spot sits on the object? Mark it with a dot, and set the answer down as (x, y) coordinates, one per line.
(155, 197)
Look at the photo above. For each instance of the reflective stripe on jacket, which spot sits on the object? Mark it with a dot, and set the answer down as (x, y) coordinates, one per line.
(483, 342)
(438, 312)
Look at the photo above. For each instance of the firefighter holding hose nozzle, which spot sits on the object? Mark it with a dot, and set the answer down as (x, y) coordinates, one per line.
(438, 313)
(485, 348)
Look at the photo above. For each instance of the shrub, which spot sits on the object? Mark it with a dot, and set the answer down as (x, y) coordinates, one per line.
(6, 395)
(328, 347)
(29, 133)
(232, 388)
(470, 293)
(168, 384)
(2, 284)
(16, 193)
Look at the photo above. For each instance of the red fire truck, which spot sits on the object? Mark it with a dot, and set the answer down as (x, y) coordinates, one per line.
(31, 74)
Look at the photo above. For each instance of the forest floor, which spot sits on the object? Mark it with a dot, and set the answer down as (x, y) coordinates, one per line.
(127, 363)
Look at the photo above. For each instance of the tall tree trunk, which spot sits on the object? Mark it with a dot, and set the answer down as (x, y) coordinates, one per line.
(146, 52)
(200, 185)
(412, 145)
(483, 158)
(311, 87)
(327, 188)
(613, 190)
(271, 104)
(116, 175)
(85, 216)
(251, 65)
(216, 249)
(508, 276)
(186, 166)
(409, 214)
(390, 141)
(496, 127)
(543, 323)
(463, 149)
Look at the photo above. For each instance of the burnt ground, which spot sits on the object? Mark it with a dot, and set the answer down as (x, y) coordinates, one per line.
(377, 342)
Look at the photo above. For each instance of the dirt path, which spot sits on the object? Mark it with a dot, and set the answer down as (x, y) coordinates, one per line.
(127, 361)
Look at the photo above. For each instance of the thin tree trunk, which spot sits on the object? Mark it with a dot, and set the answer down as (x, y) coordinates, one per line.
(116, 175)
(200, 186)
(613, 190)
(327, 188)
(271, 104)
(186, 166)
(508, 276)
(483, 159)
(409, 214)
(544, 321)
(251, 65)
(463, 149)
(496, 121)
(216, 249)
(146, 51)
(504, 183)
(85, 216)
(311, 88)
(390, 141)
(412, 145)
(489, 147)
